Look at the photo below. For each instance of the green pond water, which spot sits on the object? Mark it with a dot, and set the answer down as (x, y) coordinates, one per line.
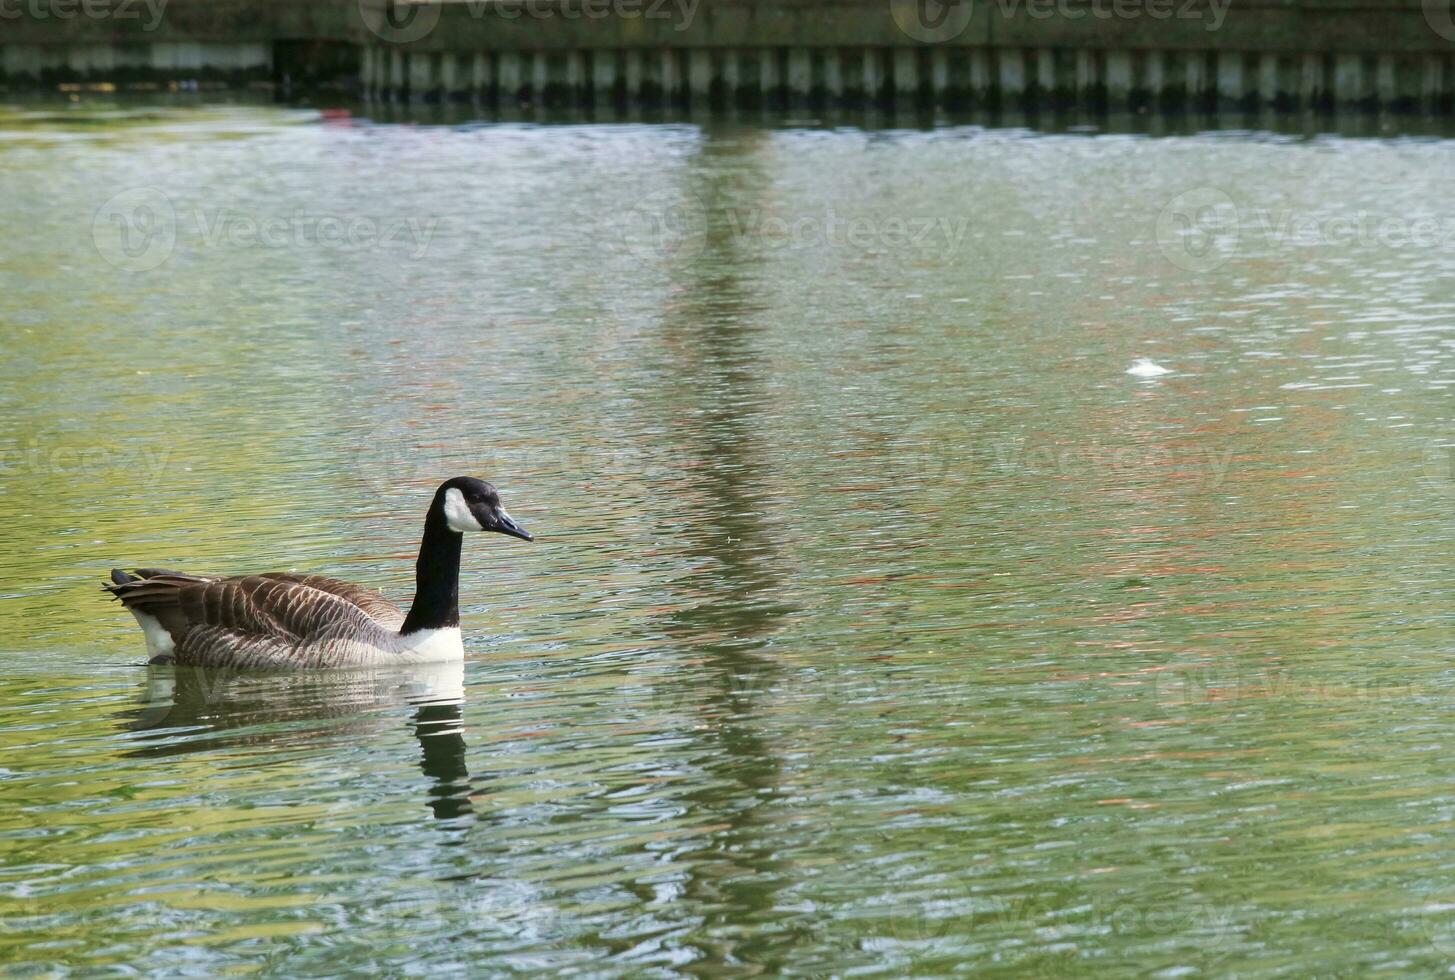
(878, 622)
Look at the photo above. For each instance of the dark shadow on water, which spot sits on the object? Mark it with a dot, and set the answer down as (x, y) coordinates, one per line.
(196, 709)
(715, 373)
(49, 108)
(1252, 124)
(41, 109)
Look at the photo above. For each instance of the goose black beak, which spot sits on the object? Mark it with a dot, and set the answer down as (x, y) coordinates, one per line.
(505, 524)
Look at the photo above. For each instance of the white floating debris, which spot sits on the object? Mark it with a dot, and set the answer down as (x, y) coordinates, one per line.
(1145, 367)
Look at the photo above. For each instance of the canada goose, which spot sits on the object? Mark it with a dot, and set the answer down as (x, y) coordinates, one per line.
(278, 621)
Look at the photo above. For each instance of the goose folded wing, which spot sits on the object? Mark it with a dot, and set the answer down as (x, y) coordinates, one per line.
(371, 603)
(282, 607)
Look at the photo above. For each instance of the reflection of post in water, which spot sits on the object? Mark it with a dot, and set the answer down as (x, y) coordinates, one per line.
(716, 373)
(715, 377)
(194, 709)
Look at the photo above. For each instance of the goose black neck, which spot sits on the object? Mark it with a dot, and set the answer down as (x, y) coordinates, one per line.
(436, 577)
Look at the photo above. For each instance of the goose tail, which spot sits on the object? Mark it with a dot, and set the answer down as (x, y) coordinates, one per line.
(140, 584)
(154, 597)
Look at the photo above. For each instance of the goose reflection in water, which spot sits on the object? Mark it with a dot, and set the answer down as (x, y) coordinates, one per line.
(196, 709)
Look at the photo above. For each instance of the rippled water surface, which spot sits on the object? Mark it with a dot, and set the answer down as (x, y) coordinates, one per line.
(878, 622)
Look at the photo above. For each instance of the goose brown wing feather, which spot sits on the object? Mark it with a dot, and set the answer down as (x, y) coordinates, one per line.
(272, 612)
(282, 607)
(372, 603)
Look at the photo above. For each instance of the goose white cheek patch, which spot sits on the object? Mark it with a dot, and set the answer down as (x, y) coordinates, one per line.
(457, 512)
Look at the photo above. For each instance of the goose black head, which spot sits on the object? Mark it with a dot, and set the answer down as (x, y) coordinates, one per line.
(469, 504)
